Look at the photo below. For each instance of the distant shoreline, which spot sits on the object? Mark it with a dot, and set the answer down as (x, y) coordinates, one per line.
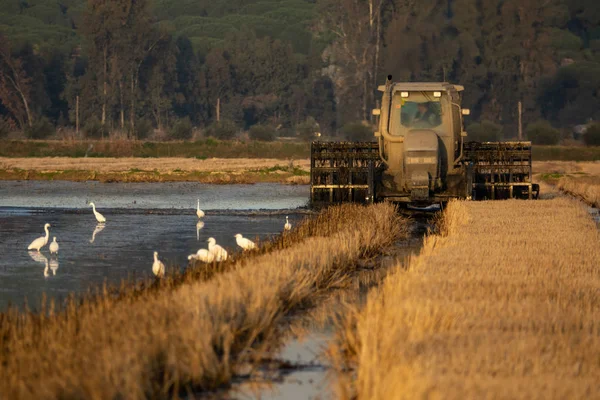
(213, 171)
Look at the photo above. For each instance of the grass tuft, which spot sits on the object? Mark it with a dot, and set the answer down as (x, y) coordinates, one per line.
(586, 188)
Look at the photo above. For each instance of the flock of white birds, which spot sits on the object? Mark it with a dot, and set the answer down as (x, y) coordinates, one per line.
(214, 252)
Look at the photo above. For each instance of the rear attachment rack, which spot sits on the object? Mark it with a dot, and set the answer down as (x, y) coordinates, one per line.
(501, 170)
(343, 171)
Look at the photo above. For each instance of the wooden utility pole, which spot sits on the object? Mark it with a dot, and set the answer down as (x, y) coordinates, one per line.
(218, 109)
(520, 120)
(77, 115)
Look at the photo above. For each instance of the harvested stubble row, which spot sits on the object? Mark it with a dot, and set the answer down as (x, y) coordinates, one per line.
(505, 303)
(193, 336)
(585, 188)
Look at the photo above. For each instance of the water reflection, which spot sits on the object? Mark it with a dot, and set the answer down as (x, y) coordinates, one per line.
(117, 253)
(199, 225)
(98, 229)
(38, 257)
(53, 265)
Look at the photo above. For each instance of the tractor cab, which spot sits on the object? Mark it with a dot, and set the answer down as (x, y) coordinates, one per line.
(420, 137)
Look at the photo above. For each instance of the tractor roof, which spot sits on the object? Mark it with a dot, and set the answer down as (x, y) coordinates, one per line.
(424, 87)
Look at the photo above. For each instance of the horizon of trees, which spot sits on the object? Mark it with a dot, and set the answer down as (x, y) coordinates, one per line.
(128, 66)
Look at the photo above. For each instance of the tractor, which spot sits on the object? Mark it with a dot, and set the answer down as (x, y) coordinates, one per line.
(420, 155)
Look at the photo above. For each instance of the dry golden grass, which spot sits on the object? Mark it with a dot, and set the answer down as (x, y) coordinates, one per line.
(213, 170)
(566, 167)
(587, 188)
(505, 303)
(163, 341)
(162, 165)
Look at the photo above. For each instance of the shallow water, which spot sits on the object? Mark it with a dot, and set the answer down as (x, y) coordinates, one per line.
(309, 374)
(143, 196)
(141, 218)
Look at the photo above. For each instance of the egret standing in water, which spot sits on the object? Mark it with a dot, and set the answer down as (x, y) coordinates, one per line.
(244, 243)
(54, 246)
(158, 268)
(199, 212)
(218, 252)
(99, 217)
(40, 242)
(287, 225)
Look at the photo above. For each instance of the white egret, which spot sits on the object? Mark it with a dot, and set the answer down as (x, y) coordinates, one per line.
(54, 246)
(53, 265)
(99, 217)
(218, 252)
(205, 256)
(40, 242)
(199, 225)
(199, 212)
(97, 230)
(244, 243)
(202, 255)
(158, 268)
(287, 225)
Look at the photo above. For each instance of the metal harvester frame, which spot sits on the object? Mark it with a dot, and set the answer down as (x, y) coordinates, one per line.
(343, 171)
(501, 170)
(347, 171)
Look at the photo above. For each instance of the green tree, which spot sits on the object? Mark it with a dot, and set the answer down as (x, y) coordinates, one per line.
(15, 85)
(484, 131)
(265, 133)
(592, 135)
(358, 132)
(542, 132)
(356, 27)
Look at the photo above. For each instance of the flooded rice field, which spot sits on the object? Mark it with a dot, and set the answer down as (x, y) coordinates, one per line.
(141, 218)
(300, 368)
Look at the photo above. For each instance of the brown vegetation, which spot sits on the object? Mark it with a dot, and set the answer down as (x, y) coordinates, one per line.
(186, 334)
(213, 170)
(199, 149)
(586, 188)
(566, 167)
(162, 165)
(502, 304)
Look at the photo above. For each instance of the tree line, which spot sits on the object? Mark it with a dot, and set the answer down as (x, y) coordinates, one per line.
(288, 66)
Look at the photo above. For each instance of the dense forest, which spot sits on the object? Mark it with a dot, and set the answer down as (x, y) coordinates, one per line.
(127, 66)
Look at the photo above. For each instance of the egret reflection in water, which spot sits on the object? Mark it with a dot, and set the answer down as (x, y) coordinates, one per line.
(38, 257)
(199, 226)
(97, 230)
(53, 265)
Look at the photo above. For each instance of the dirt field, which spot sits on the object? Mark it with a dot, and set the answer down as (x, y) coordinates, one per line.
(212, 170)
(567, 167)
(504, 304)
(163, 165)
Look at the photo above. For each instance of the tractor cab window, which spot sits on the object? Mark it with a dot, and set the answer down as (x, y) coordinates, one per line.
(421, 115)
(418, 110)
